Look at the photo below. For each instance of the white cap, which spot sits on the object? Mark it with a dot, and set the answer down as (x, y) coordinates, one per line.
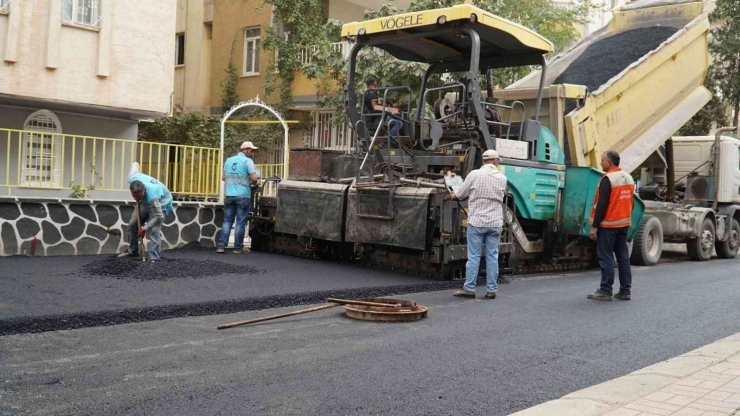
(490, 154)
(249, 145)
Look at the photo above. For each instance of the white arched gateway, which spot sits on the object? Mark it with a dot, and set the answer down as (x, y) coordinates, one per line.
(256, 102)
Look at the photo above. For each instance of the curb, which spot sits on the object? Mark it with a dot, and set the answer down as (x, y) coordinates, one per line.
(611, 395)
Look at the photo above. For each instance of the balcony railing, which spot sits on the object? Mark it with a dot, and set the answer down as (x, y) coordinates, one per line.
(309, 52)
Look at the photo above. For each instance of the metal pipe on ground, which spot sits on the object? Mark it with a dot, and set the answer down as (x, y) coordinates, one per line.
(332, 304)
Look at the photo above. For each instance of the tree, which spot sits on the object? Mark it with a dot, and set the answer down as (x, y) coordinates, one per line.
(196, 129)
(713, 112)
(725, 49)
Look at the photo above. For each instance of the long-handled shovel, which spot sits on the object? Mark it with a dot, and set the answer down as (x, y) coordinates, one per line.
(141, 239)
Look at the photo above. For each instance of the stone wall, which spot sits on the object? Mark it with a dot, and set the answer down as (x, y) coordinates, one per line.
(74, 226)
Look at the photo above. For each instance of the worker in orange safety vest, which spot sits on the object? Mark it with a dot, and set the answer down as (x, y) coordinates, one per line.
(611, 217)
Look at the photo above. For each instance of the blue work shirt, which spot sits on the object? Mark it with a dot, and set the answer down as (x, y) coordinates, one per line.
(154, 189)
(237, 170)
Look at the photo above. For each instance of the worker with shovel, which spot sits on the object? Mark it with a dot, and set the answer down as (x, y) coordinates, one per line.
(153, 203)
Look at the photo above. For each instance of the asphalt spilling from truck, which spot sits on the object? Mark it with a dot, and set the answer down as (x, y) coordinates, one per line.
(605, 59)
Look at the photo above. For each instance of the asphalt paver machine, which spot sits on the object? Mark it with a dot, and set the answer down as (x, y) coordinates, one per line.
(383, 204)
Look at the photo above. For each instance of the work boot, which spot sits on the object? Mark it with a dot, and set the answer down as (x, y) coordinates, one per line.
(220, 250)
(599, 295)
(464, 294)
(623, 296)
(490, 295)
(241, 250)
(127, 254)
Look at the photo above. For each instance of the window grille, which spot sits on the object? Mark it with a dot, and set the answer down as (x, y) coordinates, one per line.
(42, 150)
(81, 12)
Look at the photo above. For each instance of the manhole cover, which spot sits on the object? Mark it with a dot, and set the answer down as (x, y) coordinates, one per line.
(406, 311)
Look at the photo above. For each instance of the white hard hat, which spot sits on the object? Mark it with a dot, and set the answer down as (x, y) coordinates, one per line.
(249, 145)
(490, 154)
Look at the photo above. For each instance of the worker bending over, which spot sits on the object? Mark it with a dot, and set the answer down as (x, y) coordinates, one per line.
(610, 221)
(155, 202)
(485, 189)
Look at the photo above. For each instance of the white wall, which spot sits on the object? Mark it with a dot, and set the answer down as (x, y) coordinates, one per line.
(128, 63)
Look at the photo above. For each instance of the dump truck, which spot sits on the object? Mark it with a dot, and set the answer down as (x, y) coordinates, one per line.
(636, 111)
(693, 200)
(384, 205)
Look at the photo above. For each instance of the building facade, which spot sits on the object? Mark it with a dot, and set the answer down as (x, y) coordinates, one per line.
(74, 70)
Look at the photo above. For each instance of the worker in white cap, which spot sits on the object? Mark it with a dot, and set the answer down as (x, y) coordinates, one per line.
(484, 189)
(239, 173)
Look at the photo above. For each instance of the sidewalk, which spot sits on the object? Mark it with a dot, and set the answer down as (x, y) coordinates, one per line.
(703, 382)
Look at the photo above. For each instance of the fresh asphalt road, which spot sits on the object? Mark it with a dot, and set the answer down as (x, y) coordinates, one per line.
(539, 340)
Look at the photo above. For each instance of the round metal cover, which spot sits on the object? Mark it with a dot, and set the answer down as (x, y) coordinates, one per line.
(406, 312)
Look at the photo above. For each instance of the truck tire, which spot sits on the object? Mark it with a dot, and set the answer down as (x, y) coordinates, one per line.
(648, 243)
(701, 247)
(728, 249)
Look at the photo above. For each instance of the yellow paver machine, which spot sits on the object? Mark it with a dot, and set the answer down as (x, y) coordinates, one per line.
(383, 203)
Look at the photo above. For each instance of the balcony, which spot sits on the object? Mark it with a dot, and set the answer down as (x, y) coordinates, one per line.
(302, 86)
(309, 52)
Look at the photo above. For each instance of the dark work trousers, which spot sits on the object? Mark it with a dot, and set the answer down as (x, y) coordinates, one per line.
(611, 242)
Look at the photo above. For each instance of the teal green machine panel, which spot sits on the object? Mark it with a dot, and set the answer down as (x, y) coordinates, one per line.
(578, 198)
(535, 191)
(548, 148)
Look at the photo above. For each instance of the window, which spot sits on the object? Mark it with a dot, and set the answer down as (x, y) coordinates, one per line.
(42, 150)
(327, 135)
(275, 156)
(81, 12)
(180, 49)
(252, 51)
(4, 6)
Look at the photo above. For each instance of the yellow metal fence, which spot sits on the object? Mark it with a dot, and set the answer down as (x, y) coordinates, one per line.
(82, 165)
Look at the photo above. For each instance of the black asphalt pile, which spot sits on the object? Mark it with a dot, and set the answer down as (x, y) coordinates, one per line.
(164, 269)
(606, 58)
(192, 246)
(24, 325)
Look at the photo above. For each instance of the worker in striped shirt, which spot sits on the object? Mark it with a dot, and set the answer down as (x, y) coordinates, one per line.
(484, 188)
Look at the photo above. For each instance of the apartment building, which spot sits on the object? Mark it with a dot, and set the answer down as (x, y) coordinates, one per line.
(74, 70)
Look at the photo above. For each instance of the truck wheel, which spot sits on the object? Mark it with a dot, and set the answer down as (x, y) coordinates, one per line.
(701, 248)
(728, 249)
(648, 243)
